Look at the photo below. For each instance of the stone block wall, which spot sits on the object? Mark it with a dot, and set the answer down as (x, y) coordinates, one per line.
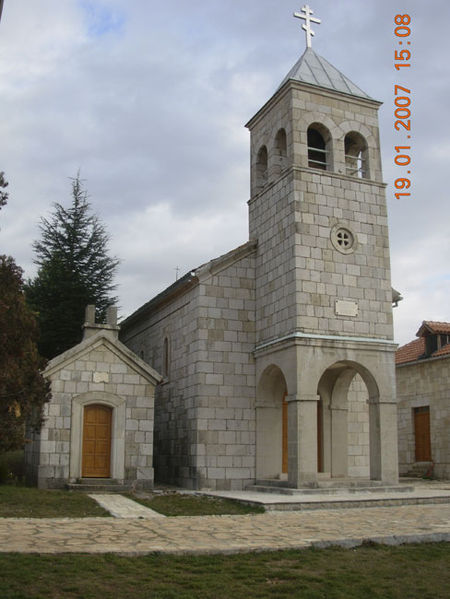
(204, 408)
(175, 412)
(420, 384)
(225, 376)
(293, 217)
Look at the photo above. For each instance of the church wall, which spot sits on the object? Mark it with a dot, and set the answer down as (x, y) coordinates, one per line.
(204, 408)
(426, 383)
(225, 370)
(175, 444)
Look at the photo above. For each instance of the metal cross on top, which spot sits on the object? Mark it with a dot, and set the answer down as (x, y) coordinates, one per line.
(306, 15)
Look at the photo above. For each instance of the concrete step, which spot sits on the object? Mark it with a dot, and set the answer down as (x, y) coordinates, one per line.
(329, 490)
(98, 485)
(272, 482)
(420, 469)
(359, 502)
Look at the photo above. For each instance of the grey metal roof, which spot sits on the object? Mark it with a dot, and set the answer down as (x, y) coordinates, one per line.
(315, 70)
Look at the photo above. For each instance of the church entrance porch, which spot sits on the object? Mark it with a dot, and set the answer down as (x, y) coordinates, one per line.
(339, 413)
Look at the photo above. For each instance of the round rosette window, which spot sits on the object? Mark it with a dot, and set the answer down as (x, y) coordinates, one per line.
(343, 239)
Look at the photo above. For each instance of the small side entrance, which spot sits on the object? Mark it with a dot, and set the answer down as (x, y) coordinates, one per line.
(96, 462)
(422, 434)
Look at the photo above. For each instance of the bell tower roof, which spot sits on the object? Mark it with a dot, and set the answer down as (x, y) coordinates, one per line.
(315, 70)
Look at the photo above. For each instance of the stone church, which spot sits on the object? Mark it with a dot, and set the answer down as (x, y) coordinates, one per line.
(273, 362)
(278, 357)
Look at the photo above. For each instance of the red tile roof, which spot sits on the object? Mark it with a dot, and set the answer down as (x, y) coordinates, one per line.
(443, 351)
(411, 351)
(433, 326)
(415, 350)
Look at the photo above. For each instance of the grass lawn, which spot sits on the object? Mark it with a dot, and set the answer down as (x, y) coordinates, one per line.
(368, 572)
(178, 504)
(27, 502)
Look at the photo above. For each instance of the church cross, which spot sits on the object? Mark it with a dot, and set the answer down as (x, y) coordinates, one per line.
(307, 25)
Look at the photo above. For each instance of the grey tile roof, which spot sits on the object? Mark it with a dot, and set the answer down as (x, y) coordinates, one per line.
(315, 70)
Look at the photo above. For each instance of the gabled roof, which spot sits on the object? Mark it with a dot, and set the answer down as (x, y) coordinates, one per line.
(416, 350)
(315, 70)
(115, 346)
(189, 280)
(433, 327)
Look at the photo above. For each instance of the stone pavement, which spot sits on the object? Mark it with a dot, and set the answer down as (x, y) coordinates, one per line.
(227, 534)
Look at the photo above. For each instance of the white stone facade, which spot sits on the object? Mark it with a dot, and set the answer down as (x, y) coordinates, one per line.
(204, 410)
(278, 356)
(99, 371)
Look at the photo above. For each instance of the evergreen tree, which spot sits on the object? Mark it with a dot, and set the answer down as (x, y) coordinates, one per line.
(75, 269)
(23, 390)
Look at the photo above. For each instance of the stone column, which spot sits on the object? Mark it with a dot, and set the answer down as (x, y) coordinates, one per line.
(302, 440)
(389, 443)
(374, 439)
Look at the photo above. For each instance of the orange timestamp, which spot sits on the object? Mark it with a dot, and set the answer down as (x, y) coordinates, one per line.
(402, 102)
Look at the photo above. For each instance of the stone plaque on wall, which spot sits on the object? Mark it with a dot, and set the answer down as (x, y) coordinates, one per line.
(346, 308)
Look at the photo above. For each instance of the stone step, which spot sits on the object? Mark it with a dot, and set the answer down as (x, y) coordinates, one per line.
(98, 485)
(272, 482)
(329, 490)
(420, 469)
(352, 503)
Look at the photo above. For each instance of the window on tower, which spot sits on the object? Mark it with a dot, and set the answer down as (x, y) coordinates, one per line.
(356, 163)
(281, 148)
(261, 167)
(318, 154)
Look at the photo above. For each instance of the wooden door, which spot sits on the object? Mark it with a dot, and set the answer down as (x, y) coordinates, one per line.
(284, 449)
(422, 434)
(96, 442)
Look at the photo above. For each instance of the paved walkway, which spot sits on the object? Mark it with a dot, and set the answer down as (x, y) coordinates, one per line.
(227, 534)
(122, 507)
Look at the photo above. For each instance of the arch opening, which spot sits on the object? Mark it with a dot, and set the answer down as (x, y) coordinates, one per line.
(271, 425)
(319, 147)
(262, 167)
(348, 423)
(356, 156)
(281, 150)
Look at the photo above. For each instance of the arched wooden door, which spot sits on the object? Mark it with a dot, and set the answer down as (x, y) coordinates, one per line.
(96, 461)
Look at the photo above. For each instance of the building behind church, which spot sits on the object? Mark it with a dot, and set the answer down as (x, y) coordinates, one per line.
(423, 393)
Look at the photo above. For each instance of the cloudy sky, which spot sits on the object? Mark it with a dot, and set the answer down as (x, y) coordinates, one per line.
(149, 100)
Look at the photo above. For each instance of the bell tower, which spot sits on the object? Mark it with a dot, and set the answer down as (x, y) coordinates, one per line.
(317, 209)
